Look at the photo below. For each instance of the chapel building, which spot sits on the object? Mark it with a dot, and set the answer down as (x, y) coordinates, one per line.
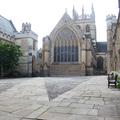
(71, 49)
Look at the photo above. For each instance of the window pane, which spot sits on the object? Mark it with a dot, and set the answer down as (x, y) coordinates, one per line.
(66, 54)
(76, 54)
(69, 54)
(58, 54)
(54, 54)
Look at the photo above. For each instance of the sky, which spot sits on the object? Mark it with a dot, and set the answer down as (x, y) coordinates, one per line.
(45, 14)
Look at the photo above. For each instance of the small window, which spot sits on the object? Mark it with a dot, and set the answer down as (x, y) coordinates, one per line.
(34, 45)
(30, 54)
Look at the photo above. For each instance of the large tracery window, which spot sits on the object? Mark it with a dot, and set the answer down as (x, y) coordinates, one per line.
(66, 47)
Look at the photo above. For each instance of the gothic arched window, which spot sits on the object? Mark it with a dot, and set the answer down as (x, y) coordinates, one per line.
(66, 47)
(87, 28)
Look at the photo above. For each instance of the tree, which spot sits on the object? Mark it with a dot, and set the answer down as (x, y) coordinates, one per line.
(9, 57)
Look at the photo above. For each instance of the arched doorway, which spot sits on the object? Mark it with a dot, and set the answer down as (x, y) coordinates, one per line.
(100, 65)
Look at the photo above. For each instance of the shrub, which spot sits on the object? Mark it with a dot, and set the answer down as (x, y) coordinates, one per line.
(118, 82)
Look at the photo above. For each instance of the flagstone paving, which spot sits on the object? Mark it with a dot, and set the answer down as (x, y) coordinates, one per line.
(84, 98)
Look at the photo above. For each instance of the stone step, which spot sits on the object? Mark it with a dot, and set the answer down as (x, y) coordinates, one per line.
(65, 69)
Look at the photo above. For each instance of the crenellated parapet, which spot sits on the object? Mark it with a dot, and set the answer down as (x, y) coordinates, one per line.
(84, 16)
(110, 19)
(26, 32)
(26, 27)
(7, 37)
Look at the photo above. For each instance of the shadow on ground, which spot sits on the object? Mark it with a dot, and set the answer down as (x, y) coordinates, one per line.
(56, 87)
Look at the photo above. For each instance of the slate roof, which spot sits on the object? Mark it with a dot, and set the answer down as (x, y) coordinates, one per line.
(101, 46)
(7, 26)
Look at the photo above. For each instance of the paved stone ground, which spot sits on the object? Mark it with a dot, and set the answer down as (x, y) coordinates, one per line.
(6, 84)
(89, 100)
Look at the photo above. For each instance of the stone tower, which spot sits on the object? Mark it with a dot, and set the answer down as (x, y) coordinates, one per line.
(111, 24)
(27, 39)
(86, 22)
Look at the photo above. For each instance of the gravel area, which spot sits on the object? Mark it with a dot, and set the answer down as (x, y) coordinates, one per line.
(58, 86)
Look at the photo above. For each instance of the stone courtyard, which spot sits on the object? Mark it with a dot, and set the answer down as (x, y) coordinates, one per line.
(59, 98)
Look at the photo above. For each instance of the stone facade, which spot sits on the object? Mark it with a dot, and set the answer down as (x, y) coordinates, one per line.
(111, 26)
(113, 38)
(70, 49)
(101, 56)
(26, 39)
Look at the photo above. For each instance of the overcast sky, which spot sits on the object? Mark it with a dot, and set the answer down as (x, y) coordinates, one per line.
(45, 14)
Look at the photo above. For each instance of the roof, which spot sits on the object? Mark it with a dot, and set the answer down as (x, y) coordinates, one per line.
(7, 26)
(66, 17)
(64, 20)
(101, 46)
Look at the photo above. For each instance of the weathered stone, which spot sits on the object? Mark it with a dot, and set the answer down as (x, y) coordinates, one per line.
(80, 111)
(38, 112)
(77, 105)
(93, 112)
(60, 110)
(55, 116)
(107, 111)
